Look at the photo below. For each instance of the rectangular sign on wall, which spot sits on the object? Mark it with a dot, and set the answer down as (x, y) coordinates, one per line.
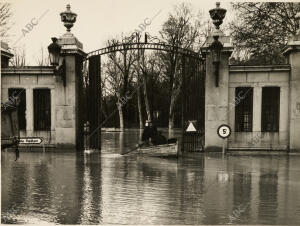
(31, 140)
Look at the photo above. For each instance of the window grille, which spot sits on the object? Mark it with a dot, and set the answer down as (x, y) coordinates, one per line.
(243, 109)
(270, 109)
(42, 109)
(21, 93)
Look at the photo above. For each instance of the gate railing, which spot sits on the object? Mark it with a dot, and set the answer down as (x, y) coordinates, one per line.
(193, 141)
(193, 104)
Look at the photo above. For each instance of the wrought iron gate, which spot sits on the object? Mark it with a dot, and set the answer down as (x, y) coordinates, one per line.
(193, 104)
(93, 98)
(192, 92)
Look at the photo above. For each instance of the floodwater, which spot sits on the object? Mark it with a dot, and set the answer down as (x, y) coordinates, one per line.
(108, 188)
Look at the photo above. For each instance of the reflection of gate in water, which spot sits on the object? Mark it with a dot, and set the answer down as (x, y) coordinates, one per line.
(193, 104)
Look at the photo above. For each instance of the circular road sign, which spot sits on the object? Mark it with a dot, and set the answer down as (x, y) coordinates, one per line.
(224, 131)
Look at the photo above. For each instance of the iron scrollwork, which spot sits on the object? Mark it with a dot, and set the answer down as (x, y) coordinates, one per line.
(133, 42)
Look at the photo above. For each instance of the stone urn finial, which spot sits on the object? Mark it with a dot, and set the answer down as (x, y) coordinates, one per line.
(217, 15)
(68, 17)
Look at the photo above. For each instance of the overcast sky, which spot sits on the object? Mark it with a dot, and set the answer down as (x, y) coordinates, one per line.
(97, 20)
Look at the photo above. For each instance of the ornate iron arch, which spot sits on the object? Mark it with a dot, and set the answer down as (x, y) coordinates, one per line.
(150, 43)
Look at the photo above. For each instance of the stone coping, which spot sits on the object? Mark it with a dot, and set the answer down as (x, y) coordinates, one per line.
(28, 70)
(264, 68)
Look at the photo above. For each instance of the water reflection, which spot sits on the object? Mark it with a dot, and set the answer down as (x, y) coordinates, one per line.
(108, 188)
(15, 192)
(268, 185)
(89, 172)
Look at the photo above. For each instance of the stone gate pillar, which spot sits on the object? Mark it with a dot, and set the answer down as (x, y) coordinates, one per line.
(292, 52)
(68, 93)
(216, 98)
(216, 95)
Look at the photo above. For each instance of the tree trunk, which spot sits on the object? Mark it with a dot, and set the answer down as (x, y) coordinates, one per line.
(171, 112)
(104, 108)
(171, 121)
(120, 109)
(172, 90)
(138, 69)
(174, 95)
(140, 105)
(144, 73)
(146, 98)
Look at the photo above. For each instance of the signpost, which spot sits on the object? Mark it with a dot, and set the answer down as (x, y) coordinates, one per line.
(31, 140)
(224, 131)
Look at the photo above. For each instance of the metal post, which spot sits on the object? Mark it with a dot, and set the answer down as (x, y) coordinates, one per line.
(223, 149)
(43, 146)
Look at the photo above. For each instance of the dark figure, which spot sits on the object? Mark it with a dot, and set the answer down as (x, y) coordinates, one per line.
(17, 153)
(172, 140)
(150, 131)
(159, 139)
(146, 132)
(15, 144)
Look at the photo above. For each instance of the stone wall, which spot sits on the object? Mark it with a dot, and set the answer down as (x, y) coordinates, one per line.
(258, 77)
(30, 78)
(63, 113)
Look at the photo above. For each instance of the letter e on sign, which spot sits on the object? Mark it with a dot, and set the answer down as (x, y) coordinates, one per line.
(224, 131)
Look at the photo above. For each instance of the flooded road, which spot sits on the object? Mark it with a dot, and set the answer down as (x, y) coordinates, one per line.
(108, 188)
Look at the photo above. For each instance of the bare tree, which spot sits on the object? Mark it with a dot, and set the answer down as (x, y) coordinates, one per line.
(19, 58)
(42, 59)
(182, 29)
(147, 66)
(144, 73)
(119, 72)
(105, 93)
(5, 15)
(137, 67)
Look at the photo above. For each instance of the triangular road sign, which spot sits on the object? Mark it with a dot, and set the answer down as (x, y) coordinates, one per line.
(191, 128)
